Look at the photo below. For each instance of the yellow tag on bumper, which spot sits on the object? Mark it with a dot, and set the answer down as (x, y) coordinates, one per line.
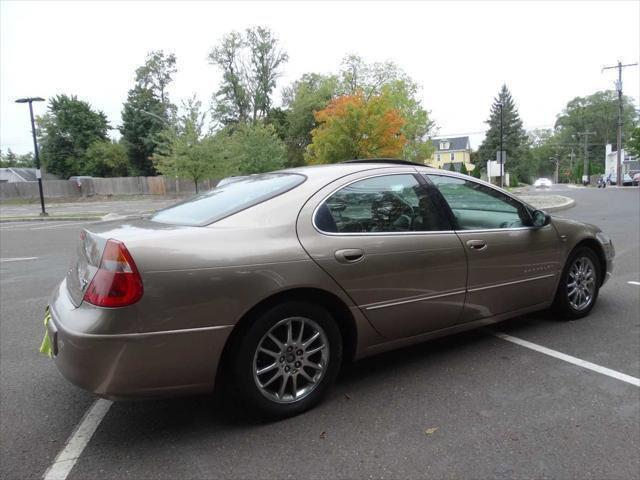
(45, 346)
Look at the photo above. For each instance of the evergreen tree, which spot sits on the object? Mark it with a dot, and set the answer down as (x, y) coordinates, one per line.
(463, 169)
(514, 138)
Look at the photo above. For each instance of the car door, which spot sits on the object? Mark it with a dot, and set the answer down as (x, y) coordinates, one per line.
(381, 237)
(512, 265)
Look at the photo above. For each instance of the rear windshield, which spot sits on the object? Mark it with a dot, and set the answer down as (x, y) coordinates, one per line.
(228, 199)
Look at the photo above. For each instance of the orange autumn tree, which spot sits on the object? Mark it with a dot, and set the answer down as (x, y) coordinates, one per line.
(352, 126)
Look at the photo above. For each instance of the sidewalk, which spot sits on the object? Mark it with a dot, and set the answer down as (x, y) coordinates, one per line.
(84, 209)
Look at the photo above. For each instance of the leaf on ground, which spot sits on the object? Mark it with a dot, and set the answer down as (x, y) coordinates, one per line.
(430, 430)
(347, 396)
(323, 435)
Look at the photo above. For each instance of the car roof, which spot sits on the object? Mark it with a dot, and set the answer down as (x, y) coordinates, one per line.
(335, 170)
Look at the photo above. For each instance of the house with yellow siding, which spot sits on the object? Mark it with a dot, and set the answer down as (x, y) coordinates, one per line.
(449, 151)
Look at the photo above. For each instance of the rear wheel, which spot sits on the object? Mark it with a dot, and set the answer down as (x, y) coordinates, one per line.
(287, 360)
(579, 286)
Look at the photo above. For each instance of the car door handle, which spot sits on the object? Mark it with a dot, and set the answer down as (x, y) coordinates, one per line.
(349, 255)
(477, 245)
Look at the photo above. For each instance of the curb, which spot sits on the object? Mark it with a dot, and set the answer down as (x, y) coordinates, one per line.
(50, 219)
(567, 203)
(563, 206)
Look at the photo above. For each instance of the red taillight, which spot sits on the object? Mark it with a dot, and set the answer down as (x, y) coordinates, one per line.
(117, 283)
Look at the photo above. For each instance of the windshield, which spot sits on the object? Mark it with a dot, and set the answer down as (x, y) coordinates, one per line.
(228, 199)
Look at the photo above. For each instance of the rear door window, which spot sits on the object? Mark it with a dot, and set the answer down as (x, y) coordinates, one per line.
(390, 203)
(228, 199)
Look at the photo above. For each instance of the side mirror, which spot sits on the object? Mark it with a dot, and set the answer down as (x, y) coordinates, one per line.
(540, 219)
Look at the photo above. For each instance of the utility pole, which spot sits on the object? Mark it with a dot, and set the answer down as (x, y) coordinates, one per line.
(620, 66)
(585, 167)
(502, 155)
(571, 157)
(556, 160)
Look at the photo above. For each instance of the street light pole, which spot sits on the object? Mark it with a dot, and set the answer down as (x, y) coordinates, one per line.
(30, 101)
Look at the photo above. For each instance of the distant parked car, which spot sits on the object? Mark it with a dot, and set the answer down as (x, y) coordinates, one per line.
(542, 183)
(635, 179)
(626, 180)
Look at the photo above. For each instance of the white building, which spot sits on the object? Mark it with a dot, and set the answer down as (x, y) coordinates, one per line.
(629, 162)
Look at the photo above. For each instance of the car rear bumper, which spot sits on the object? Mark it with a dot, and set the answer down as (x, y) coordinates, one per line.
(131, 365)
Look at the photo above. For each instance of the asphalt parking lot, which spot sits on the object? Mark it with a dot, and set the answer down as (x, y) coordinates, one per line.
(469, 406)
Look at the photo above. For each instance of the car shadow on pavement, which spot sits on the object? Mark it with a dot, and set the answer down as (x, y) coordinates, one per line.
(151, 420)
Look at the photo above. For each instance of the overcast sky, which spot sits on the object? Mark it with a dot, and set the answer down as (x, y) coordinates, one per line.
(459, 52)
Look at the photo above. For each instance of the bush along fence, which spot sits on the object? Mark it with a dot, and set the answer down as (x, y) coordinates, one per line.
(89, 186)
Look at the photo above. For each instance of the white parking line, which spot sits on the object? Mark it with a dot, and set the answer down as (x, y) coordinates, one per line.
(16, 259)
(68, 456)
(65, 224)
(633, 283)
(568, 358)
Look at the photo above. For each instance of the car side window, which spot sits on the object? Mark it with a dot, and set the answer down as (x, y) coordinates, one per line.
(478, 207)
(389, 203)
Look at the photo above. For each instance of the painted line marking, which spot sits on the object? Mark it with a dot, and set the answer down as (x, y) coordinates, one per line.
(17, 259)
(66, 224)
(633, 283)
(568, 358)
(79, 439)
(23, 225)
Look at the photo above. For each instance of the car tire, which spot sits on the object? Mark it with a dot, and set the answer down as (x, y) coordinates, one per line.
(579, 285)
(289, 358)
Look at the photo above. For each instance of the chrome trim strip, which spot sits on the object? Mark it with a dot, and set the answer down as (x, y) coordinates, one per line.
(412, 300)
(490, 230)
(426, 232)
(130, 336)
(471, 290)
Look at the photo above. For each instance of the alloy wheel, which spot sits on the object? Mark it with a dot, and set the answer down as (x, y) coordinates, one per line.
(291, 360)
(581, 283)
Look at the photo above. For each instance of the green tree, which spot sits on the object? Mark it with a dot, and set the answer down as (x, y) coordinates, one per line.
(463, 169)
(106, 159)
(148, 111)
(156, 74)
(515, 141)
(255, 148)
(633, 143)
(418, 127)
(8, 160)
(310, 94)
(388, 78)
(250, 65)
(543, 148)
(66, 131)
(356, 75)
(596, 113)
(186, 152)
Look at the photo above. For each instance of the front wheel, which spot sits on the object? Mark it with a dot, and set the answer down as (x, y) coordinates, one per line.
(287, 359)
(579, 285)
